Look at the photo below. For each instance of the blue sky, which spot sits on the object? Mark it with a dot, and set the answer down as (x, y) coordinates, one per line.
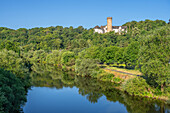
(87, 13)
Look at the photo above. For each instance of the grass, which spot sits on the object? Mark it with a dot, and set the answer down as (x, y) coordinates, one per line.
(136, 72)
(120, 75)
(123, 76)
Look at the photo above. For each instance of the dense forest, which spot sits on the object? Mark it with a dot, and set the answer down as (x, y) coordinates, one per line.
(144, 47)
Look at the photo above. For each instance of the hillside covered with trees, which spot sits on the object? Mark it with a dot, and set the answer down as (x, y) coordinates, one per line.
(144, 47)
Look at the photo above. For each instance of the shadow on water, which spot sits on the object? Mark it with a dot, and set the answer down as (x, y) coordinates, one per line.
(93, 89)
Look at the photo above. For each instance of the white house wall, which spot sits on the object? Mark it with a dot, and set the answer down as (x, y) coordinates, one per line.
(116, 30)
(105, 30)
(98, 30)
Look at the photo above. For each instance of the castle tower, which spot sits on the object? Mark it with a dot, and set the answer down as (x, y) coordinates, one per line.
(109, 24)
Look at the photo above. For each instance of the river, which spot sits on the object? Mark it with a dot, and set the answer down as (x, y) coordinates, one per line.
(67, 93)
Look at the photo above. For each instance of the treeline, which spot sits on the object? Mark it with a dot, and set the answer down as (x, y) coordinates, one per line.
(51, 38)
(108, 47)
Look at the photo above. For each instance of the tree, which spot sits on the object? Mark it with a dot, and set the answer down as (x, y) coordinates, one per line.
(86, 67)
(12, 62)
(154, 57)
(131, 54)
(57, 44)
(119, 56)
(137, 86)
(68, 58)
(12, 92)
(92, 52)
(108, 54)
(54, 57)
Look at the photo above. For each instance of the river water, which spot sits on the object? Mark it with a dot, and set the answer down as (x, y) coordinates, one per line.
(67, 93)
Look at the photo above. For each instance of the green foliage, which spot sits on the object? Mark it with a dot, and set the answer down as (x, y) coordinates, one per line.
(105, 76)
(54, 58)
(108, 54)
(68, 58)
(157, 72)
(154, 57)
(137, 86)
(117, 80)
(86, 67)
(119, 58)
(52, 38)
(39, 56)
(131, 54)
(92, 52)
(12, 62)
(146, 25)
(46, 49)
(10, 45)
(12, 92)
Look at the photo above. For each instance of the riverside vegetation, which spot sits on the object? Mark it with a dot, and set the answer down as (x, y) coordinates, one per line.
(144, 47)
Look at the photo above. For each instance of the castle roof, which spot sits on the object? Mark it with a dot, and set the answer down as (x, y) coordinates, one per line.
(97, 27)
(102, 27)
(115, 27)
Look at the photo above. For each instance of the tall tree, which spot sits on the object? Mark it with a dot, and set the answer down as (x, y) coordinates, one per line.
(154, 57)
(131, 54)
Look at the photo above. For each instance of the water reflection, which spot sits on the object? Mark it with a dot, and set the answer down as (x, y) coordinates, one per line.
(93, 90)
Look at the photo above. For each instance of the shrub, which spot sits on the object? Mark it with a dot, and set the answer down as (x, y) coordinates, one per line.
(105, 76)
(137, 86)
(117, 80)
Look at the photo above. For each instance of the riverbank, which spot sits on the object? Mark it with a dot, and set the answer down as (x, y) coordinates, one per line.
(129, 81)
(132, 82)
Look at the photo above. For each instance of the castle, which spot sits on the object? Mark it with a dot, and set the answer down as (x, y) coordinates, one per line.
(109, 27)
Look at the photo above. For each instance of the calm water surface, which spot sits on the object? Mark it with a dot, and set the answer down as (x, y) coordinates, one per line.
(72, 94)
(67, 100)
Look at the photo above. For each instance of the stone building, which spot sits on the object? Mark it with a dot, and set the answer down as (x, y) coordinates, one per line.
(109, 27)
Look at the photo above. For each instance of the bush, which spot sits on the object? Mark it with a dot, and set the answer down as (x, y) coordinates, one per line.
(105, 76)
(117, 80)
(137, 86)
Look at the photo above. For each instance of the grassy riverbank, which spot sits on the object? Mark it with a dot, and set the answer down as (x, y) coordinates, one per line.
(128, 80)
(132, 82)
